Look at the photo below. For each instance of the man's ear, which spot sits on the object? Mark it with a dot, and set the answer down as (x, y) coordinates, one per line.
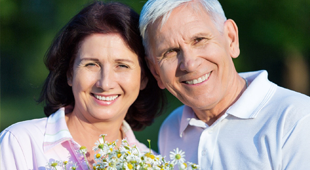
(231, 32)
(151, 65)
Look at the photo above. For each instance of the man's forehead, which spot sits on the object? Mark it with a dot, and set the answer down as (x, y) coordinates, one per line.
(193, 6)
(160, 29)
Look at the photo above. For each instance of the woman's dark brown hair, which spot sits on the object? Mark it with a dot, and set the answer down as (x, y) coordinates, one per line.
(103, 18)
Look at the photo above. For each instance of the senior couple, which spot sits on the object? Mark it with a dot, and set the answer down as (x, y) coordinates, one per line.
(101, 81)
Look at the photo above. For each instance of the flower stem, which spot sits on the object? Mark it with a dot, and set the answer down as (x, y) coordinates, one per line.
(86, 161)
(150, 145)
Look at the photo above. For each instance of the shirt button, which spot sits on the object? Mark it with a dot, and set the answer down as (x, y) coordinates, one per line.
(204, 152)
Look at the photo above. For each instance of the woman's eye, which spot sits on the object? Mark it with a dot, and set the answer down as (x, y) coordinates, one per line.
(90, 64)
(123, 66)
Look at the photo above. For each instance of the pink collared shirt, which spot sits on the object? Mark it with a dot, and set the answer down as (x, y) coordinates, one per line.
(34, 143)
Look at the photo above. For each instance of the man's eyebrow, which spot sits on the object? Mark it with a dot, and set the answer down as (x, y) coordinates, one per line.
(200, 34)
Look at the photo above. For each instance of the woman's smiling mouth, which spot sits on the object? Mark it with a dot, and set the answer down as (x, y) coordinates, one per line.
(108, 98)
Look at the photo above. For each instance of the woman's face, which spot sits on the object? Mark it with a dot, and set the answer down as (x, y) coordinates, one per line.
(106, 78)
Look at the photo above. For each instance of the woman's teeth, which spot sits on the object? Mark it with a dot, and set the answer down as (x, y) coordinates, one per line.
(199, 80)
(110, 98)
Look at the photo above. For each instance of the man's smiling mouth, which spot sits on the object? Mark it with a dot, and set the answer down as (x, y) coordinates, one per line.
(199, 80)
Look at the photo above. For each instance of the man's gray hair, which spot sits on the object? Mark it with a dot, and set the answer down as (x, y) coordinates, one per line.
(155, 9)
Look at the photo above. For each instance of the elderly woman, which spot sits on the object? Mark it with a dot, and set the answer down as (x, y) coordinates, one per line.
(98, 83)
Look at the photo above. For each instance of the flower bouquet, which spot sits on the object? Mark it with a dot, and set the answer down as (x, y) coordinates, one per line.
(126, 157)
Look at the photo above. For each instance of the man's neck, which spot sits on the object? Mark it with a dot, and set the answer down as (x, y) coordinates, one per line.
(209, 116)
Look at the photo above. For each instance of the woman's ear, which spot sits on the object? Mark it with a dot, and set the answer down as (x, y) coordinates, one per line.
(69, 78)
(144, 81)
(231, 32)
(154, 71)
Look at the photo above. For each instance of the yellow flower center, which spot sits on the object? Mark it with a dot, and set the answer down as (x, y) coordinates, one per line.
(119, 155)
(177, 156)
(185, 165)
(194, 166)
(54, 164)
(100, 146)
(112, 164)
(98, 155)
(82, 147)
(129, 166)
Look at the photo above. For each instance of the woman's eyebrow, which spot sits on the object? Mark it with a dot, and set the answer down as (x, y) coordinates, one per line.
(124, 60)
(85, 59)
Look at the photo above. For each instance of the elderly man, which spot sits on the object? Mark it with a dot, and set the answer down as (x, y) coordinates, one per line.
(229, 120)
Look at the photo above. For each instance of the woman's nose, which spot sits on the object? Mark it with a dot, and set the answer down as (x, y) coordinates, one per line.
(106, 80)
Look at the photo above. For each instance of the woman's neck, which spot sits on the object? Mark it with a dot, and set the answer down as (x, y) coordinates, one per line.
(86, 133)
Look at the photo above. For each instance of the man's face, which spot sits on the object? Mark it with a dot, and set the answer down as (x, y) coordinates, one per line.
(192, 58)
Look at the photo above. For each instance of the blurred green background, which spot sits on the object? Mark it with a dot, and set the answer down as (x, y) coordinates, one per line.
(274, 36)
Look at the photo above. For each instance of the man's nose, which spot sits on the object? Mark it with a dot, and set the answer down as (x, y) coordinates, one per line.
(189, 60)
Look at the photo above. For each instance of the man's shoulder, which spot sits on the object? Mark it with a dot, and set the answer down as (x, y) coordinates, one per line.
(291, 108)
(172, 122)
(293, 99)
(174, 117)
(169, 131)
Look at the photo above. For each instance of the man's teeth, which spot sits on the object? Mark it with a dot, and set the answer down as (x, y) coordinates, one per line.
(110, 98)
(199, 80)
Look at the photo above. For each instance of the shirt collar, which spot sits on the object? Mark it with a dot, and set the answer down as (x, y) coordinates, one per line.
(128, 133)
(249, 104)
(256, 95)
(56, 130)
(189, 118)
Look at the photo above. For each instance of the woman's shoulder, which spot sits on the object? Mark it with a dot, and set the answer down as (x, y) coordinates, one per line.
(22, 143)
(24, 129)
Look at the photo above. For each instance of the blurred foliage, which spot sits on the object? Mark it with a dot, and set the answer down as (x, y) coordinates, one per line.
(269, 32)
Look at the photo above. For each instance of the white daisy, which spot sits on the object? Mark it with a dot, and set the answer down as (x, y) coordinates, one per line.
(98, 144)
(74, 166)
(193, 165)
(82, 150)
(177, 156)
(52, 164)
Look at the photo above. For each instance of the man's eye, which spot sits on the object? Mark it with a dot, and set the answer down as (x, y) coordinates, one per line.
(197, 40)
(171, 53)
